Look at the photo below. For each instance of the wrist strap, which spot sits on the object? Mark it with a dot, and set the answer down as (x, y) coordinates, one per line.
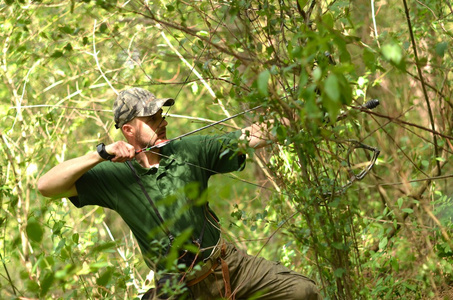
(103, 153)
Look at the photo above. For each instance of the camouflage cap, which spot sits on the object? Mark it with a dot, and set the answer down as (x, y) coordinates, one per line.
(136, 102)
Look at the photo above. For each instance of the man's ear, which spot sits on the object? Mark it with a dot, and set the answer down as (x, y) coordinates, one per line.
(128, 130)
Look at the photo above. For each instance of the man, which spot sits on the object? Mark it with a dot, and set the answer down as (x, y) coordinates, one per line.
(160, 193)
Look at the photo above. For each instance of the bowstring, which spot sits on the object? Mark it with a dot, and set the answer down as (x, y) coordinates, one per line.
(225, 174)
(147, 149)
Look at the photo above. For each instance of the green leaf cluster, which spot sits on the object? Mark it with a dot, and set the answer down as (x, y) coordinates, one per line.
(313, 63)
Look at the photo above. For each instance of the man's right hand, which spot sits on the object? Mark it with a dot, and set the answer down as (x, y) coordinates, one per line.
(122, 151)
(60, 180)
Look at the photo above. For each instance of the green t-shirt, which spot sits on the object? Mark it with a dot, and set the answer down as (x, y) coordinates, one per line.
(177, 188)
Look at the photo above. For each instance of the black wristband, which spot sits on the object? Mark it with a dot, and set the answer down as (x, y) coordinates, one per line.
(102, 153)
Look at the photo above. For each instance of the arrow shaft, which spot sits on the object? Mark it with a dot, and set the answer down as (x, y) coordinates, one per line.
(195, 131)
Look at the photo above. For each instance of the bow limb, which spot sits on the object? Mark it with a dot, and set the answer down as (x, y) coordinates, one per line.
(195, 131)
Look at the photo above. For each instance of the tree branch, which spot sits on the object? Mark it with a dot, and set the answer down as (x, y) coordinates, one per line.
(422, 81)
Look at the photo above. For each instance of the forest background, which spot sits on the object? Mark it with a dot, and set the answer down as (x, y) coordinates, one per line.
(300, 200)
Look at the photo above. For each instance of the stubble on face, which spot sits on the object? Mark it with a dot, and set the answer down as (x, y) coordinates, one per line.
(151, 130)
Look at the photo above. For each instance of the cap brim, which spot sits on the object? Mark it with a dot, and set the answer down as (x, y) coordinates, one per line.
(154, 106)
(167, 101)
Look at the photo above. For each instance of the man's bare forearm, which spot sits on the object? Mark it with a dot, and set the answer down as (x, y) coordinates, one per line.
(60, 180)
(258, 135)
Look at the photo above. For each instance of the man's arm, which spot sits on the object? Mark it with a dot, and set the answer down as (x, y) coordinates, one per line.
(257, 135)
(60, 180)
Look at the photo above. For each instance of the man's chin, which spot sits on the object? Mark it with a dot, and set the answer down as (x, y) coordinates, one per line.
(160, 141)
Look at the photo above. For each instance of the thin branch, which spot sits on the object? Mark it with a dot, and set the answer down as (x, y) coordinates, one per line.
(7, 274)
(430, 86)
(121, 253)
(417, 180)
(397, 120)
(373, 15)
(422, 80)
(205, 84)
(244, 60)
(95, 55)
(417, 195)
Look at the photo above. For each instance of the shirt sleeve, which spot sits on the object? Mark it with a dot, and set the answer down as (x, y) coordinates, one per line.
(222, 154)
(98, 186)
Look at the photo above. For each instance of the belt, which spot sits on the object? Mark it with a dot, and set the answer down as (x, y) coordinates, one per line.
(209, 265)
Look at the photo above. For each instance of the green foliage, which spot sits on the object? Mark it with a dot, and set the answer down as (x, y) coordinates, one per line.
(312, 62)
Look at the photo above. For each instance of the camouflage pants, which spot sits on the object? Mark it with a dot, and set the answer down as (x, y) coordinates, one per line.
(255, 277)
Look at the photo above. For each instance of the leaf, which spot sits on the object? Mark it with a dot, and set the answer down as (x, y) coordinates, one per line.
(57, 54)
(66, 29)
(331, 99)
(46, 283)
(34, 231)
(105, 277)
(75, 238)
(60, 245)
(339, 272)
(98, 265)
(56, 229)
(332, 87)
(369, 58)
(317, 74)
(400, 202)
(338, 245)
(32, 286)
(263, 80)
(383, 243)
(68, 47)
(328, 20)
(393, 53)
(395, 264)
(345, 90)
(103, 28)
(441, 48)
(410, 286)
(66, 271)
(302, 3)
(103, 246)
(408, 210)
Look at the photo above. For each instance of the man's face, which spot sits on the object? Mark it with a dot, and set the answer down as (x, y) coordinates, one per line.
(150, 130)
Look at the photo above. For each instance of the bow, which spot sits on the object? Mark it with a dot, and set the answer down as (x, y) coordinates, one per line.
(353, 145)
(166, 142)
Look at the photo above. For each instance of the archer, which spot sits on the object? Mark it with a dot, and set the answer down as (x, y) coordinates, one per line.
(160, 194)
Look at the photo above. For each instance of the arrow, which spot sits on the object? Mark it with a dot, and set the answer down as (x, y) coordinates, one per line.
(166, 142)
